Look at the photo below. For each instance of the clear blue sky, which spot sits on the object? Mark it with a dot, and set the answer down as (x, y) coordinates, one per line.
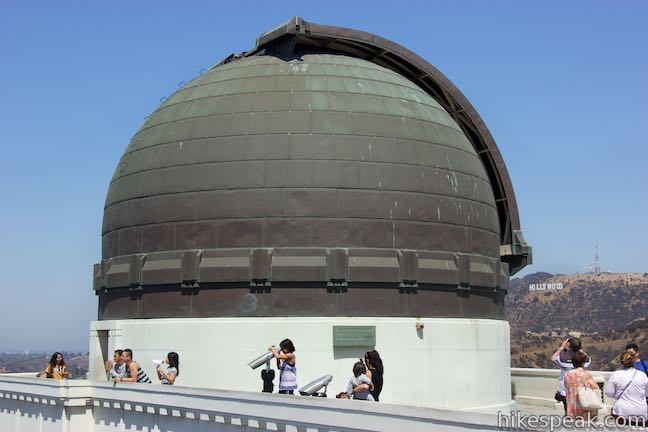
(563, 87)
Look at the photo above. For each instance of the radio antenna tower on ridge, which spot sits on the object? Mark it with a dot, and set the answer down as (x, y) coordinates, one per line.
(597, 262)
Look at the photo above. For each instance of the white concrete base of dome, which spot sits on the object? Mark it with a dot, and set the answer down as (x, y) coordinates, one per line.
(457, 364)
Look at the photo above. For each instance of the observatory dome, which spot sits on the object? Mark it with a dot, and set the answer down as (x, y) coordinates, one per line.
(321, 151)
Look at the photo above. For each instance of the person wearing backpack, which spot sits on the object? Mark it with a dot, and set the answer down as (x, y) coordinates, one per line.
(628, 387)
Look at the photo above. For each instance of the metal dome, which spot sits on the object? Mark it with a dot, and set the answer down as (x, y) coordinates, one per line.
(287, 176)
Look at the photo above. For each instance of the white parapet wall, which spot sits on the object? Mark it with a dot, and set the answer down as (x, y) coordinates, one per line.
(456, 364)
(538, 387)
(30, 404)
(40, 405)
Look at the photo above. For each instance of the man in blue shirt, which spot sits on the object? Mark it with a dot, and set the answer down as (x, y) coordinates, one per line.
(640, 365)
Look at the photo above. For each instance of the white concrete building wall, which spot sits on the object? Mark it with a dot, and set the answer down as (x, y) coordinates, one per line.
(458, 364)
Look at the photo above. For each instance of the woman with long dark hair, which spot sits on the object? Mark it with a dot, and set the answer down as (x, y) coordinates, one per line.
(374, 372)
(168, 374)
(56, 368)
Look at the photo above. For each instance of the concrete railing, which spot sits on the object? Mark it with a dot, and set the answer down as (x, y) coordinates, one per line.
(538, 386)
(32, 404)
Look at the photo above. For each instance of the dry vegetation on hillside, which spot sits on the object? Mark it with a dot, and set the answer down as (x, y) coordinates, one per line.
(609, 310)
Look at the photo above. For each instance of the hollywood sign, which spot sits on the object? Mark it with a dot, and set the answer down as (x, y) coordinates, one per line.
(545, 286)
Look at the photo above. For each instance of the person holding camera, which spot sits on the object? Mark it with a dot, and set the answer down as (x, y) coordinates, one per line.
(170, 369)
(563, 357)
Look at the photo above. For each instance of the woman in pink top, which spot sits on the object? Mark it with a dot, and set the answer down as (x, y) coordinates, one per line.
(574, 379)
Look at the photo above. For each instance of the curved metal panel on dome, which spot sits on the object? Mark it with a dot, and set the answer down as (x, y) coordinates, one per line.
(321, 184)
(297, 36)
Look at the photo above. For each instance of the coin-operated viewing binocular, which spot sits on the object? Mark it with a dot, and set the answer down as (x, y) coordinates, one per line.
(267, 374)
(259, 361)
(313, 388)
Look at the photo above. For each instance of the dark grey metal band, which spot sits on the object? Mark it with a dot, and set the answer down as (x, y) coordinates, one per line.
(301, 282)
(240, 300)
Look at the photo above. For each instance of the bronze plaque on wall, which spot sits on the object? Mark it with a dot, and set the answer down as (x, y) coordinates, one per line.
(354, 336)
